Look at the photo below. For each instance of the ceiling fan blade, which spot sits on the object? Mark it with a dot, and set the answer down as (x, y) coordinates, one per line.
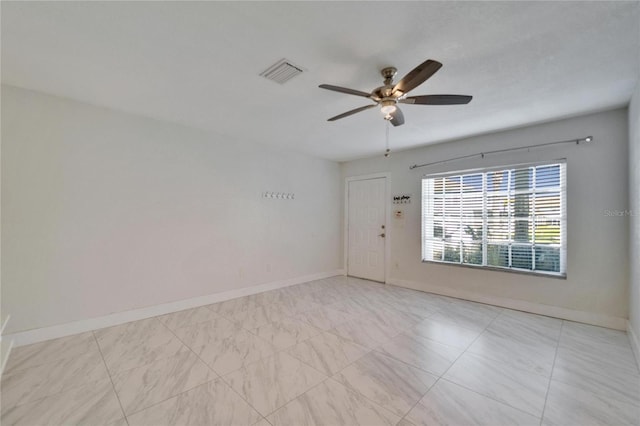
(437, 100)
(344, 90)
(397, 118)
(417, 76)
(353, 111)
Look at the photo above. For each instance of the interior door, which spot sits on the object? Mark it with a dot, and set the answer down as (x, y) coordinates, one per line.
(366, 229)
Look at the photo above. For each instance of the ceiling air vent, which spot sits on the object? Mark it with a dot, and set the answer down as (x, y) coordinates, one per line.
(282, 71)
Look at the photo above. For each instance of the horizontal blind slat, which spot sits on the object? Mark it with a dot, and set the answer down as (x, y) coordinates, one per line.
(521, 210)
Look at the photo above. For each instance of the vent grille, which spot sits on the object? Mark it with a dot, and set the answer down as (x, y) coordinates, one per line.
(282, 71)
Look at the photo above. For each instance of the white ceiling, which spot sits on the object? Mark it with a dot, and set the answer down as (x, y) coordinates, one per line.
(197, 63)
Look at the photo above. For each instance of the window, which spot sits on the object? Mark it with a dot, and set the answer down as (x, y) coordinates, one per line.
(512, 218)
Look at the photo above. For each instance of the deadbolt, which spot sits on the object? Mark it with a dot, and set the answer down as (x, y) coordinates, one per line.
(382, 226)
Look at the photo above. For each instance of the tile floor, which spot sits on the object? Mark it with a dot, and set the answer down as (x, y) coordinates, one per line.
(339, 351)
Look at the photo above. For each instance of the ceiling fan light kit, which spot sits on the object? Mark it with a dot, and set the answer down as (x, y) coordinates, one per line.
(388, 106)
(389, 95)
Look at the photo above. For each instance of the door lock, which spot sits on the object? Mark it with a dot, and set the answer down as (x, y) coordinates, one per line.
(381, 235)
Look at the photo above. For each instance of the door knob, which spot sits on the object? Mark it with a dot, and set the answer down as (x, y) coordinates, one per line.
(381, 235)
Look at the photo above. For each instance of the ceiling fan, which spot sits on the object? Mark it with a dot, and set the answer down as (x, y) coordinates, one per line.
(389, 95)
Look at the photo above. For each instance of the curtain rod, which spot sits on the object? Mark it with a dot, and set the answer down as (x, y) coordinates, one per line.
(587, 139)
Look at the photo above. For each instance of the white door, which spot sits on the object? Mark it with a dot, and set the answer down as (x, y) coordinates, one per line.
(366, 229)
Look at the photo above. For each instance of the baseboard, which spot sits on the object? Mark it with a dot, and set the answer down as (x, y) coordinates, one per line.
(75, 327)
(519, 305)
(635, 342)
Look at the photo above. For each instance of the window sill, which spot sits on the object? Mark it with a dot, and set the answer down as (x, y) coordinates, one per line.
(498, 269)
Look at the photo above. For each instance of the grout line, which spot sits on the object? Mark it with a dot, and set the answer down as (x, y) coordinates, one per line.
(489, 397)
(222, 377)
(418, 402)
(377, 404)
(509, 364)
(331, 377)
(303, 393)
(160, 358)
(218, 375)
(270, 356)
(473, 354)
(441, 377)
(189, 347)
(555, 356)
(296, 397)
(467, 349)
(349, 389)
(465, 387)
(411, 365)
(173, 396)
(113, 386)
(375, 349)
(437, 377)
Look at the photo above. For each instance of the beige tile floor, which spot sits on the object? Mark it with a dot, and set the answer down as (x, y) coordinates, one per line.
(339, 351)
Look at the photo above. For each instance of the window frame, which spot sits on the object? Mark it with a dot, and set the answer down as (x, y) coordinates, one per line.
(562, 274)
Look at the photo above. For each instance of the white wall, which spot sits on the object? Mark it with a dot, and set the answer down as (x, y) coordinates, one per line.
(596, 287)
(634, 219)
(105, 212)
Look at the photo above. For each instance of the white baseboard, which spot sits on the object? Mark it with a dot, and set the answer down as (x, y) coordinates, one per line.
(635, 342)
(520, 305)
(75, 327)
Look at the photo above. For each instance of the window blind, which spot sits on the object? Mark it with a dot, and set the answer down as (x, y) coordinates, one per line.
(510, 218)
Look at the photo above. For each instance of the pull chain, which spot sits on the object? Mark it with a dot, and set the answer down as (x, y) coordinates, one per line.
(387, 153)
